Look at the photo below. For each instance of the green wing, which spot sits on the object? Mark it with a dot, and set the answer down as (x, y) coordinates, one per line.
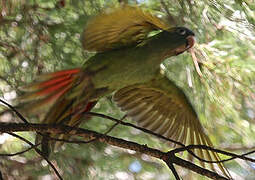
(120, 27)
(163, 108)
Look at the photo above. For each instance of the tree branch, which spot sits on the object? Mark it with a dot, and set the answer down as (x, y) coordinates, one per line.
(167, 157)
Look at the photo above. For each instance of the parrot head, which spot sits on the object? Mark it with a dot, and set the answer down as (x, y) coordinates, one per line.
(180, 37)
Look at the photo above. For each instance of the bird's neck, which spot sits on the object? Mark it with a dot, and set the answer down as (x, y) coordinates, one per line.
(161, 48)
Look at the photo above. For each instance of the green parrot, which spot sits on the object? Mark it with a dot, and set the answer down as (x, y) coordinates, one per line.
(127, 65)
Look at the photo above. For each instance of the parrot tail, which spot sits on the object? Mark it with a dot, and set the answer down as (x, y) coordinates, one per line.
(43, 93)
(58, 98)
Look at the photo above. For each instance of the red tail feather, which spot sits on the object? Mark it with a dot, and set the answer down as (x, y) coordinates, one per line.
(53, 81)
(57, 84)
(54, 87)
(65, 72)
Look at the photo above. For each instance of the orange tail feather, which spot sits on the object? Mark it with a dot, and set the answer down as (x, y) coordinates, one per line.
(40, 94)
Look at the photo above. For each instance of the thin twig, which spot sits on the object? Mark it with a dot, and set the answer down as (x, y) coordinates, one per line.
(1, 176)
(13, 109)
(134, 126)
(39, 152)
(121, 120)
(234, 156)
(21, 152)
(171, 166)
(195, 61)
(173, 159)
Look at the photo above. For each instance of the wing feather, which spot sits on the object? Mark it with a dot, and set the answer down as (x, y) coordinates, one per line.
(163, 108)
(119, 27)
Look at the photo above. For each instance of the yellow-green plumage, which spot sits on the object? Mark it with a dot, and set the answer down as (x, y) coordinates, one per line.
(120, 27)
(127, 63)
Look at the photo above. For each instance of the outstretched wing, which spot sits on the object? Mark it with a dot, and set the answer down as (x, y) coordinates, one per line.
(119, 27)
(163, 108)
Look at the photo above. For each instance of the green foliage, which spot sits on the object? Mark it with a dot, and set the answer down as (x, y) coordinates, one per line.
(38, 36)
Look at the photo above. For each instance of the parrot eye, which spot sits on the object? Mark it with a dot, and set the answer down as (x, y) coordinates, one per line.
(181, 31)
